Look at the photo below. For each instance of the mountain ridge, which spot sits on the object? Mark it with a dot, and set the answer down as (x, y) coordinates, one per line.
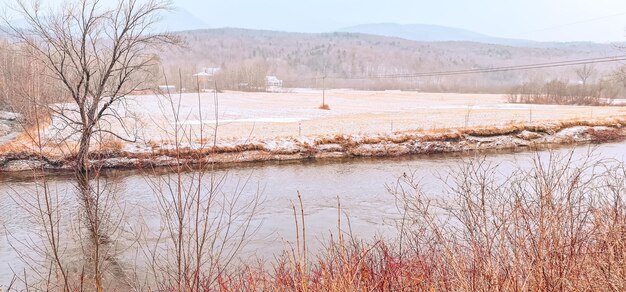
(439, 33)
(297, 57)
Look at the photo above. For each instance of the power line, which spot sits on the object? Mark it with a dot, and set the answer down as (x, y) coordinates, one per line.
(493, 69)
(500, 69)
(575, 62)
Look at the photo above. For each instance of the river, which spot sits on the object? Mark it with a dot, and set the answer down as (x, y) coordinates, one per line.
(360, 185)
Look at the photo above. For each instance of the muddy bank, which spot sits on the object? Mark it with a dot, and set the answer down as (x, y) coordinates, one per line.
(338, 146)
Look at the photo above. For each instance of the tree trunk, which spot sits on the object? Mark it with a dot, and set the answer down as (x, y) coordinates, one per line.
(82, 160)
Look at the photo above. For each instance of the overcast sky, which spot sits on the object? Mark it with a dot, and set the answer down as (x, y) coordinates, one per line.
(529, 19)
(541, 20)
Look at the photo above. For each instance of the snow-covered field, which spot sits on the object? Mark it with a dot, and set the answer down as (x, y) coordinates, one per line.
(265, 118)
(287, 126)
(269, 115)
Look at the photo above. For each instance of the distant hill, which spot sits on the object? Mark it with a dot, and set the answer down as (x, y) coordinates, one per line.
(296, 57)
(181, 20)
(434, 33)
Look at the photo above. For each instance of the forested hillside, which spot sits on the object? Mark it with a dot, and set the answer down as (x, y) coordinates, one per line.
(247, 56)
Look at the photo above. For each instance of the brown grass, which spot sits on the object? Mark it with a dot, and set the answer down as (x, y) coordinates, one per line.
(371, 140)
(608, 135)
(567, 235)
(324, 107)
(112, 148)
(26, 141)
(345, 141)
(111, 145)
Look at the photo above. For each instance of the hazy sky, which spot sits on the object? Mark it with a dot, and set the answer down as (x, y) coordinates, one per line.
(529, 19)
(543, 20)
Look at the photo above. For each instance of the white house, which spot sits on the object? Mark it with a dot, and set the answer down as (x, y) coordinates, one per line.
(208, 72)
(272, 82)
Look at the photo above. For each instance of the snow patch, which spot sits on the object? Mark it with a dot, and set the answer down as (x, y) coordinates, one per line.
(281, 145)
(9, 116)
(573, 131)
(253, 120)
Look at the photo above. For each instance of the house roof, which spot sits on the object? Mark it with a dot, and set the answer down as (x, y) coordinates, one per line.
(208, 72)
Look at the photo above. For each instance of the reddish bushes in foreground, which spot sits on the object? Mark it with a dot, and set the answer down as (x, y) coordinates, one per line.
(560, 225)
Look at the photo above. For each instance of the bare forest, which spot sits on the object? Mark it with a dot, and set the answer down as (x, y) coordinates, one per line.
(347, 59)
(137, 159)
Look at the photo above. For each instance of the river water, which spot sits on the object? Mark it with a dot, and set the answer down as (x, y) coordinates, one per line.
(359, 185)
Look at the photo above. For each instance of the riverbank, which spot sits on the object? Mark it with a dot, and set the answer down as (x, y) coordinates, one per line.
(361, 184)
(401, 143)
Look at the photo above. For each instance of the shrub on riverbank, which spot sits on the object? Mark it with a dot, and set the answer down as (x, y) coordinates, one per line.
(111, 153)
(560, 225)
(601, 92)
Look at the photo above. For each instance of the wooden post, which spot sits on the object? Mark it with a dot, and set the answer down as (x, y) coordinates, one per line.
(324, 90)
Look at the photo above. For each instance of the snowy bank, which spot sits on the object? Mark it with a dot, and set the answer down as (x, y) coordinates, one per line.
(333, 146)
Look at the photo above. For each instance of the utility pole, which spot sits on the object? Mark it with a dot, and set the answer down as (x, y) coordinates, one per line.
(324, 88)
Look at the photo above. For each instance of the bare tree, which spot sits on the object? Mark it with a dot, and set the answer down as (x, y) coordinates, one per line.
(585, 72)
(100, 55)
(619, 76)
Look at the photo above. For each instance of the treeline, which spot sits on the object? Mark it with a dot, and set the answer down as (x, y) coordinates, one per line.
(562, 91)
(24, 82)
(299, 58)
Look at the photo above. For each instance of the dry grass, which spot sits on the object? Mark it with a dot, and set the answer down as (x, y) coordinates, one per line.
(447, 134)
(19, 145)
(111, 145)
(324, 107)
(27, 140)
(350, 145)
(607, 135)
(345, 141)
(371, 140)
(553, 227)
(186, 152)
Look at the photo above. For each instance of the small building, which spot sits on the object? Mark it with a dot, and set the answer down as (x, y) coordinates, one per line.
(167, 89)
(206, 76)
(208, 72)
(273, 83)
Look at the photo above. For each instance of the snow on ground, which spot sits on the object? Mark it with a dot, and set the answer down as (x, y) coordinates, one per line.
(295, 114)
(257, 120)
